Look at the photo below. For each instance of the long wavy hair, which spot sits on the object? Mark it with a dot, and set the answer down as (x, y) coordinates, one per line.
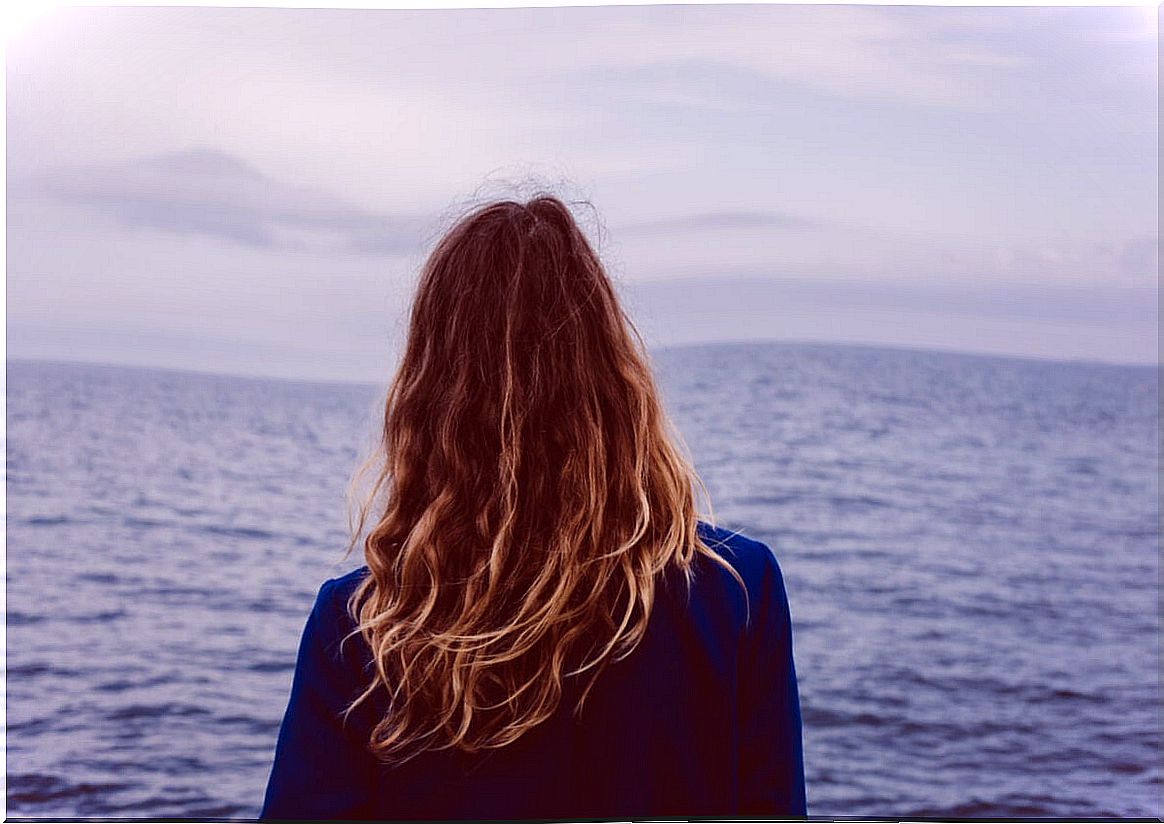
(528, 492)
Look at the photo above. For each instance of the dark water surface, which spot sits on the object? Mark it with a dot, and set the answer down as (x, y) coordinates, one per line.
(970, 546)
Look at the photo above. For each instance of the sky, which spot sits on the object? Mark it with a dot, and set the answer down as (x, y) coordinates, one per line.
(253, 190)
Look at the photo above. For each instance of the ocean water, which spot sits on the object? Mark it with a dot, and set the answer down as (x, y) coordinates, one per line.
(970, 546)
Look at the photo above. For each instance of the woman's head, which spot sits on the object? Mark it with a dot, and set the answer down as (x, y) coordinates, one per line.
(531, 490)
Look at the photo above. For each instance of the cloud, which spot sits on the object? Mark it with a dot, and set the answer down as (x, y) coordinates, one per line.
(1047, 321)
(1140, 257)
(708, 221)
(905, 55)
(1129, 307)
(207, 192)
(905, 145)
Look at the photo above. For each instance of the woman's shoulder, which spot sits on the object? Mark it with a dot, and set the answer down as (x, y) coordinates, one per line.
(756, 564)
(343, 585)
(753, 559)
(330, 611)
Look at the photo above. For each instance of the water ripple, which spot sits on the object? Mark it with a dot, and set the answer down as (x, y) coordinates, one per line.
(970, 547)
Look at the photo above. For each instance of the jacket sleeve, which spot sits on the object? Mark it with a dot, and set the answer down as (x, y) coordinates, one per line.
(321, 770)
(772, 756)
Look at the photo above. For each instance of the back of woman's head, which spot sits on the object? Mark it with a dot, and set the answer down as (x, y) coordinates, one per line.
(532, 492)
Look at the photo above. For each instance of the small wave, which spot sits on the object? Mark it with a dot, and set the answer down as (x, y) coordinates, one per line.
(983, 809)
(144, 523)
(1081, 466)
(99, 617)
(51, 520)
(170, 591)
(825, 718)
(237, 532)
(1127, 768)
(182, 807)
(1073, 695)
(145, 711)
(176, 765)
(261, 727)
(847, 503)
(124, 685)
(98, 578)
(767, 500)
(37, 788)
(23, 619)
(38, 669)
(217, 812)
(271, 666)
(31, 727)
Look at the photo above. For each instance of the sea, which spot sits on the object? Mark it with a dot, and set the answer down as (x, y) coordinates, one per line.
(970, 546)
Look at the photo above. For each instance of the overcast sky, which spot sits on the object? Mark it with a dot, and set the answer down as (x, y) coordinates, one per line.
(252, 190)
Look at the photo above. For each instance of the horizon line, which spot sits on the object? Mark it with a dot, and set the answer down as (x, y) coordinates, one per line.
(651, 351)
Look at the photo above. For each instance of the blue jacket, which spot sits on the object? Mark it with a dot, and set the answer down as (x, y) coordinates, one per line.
(701, 720)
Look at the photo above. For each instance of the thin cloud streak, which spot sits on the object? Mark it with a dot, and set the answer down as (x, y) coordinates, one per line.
(1036, 321)
(1129, 307)
(212, 193)
(711, 221)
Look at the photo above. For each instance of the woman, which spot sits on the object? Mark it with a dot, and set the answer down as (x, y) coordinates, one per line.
(544, 628)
